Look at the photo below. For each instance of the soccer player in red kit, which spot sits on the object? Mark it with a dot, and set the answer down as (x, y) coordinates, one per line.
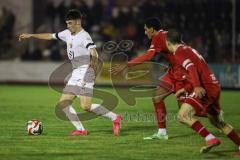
(204, 97)
(158, 44)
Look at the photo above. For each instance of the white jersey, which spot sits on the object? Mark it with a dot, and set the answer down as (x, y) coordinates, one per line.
(77, 45)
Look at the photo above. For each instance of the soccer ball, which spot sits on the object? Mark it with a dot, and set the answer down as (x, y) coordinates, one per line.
(34, 127)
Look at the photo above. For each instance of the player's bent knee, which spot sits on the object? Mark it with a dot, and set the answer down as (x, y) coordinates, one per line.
(185, 114)
(182, 117)
(179, 118)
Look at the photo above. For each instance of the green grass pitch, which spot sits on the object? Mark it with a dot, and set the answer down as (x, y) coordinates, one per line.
(18, 104)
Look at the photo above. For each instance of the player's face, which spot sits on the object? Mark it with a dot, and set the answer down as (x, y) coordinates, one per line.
(149, 32)
(72, 25)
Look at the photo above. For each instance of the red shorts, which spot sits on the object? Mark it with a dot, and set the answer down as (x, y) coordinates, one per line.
(174, 80)
(169, 82)
(210, 104)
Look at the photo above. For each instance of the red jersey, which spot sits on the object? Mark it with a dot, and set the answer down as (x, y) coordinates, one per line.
(199, 72)
(158, 45)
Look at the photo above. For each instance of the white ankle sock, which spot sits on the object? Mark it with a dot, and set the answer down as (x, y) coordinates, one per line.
(210, 136)
(72, 116)
(102, 111)
(162, 131)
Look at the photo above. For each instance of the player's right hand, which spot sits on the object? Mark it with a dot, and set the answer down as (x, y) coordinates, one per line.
(24, 36)
(199, 92)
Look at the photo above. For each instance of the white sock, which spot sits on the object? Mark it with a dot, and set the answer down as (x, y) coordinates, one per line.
(102, 111)
(162, 131)
(72, 116)
(239, 148)
(210, 136)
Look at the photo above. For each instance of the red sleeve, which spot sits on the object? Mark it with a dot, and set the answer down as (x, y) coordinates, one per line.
(157, 45)
(185, 60)
(193, 76)
(188, 88)
(145, 57)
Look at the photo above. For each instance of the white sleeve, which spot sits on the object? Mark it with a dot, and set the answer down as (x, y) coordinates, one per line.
(88, 42)
(60, 35)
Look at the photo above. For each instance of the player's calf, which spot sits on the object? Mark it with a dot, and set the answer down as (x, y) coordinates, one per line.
(186, 116)
(217, 121)
(226, 128)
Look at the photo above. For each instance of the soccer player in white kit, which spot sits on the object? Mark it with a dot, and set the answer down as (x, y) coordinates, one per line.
(84, 57)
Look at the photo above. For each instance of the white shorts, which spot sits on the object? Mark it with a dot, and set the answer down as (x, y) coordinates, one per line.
(81, 82)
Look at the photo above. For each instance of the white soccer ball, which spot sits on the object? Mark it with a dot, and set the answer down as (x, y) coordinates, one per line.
(34, 127)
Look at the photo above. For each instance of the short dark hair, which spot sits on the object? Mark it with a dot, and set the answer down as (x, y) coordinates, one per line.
(153, 22)
(73, 14)
(174, 37)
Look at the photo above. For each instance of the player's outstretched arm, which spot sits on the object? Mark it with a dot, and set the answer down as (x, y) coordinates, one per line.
(138, 60)
(44, 36)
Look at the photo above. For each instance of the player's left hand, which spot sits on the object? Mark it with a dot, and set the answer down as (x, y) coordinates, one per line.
(199, 92)
(117, 68)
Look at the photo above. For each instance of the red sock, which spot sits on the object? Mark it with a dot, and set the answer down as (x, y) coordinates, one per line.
(200, 129)
(234, 137)
(160, 111)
